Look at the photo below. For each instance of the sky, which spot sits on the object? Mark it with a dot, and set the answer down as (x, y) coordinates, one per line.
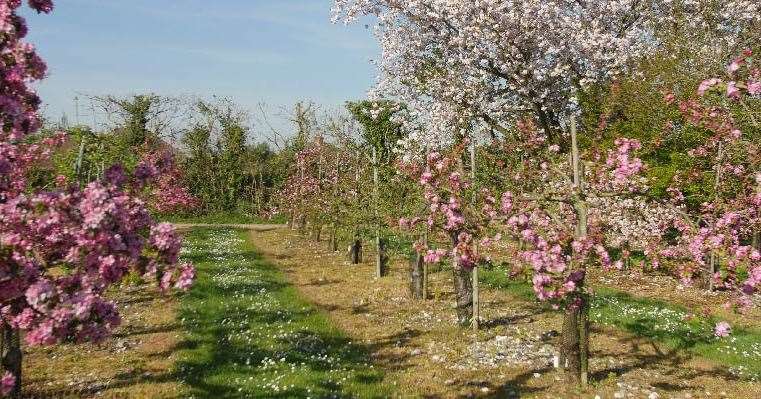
(254, 51)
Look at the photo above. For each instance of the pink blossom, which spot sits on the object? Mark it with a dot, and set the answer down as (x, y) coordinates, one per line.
(722, 329)
(732, 91)
(707, 84)
(187, 275)
(734, 66)
(7, 383)
(434, 256)
(426, 177)
(38, 295)
(95, 235)
(754, 87)
(404, 223)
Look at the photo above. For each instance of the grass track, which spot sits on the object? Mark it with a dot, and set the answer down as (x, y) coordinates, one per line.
(249, 334)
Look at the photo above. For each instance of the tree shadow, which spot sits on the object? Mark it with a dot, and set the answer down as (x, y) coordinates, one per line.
(130, 331)
(513, 319)
(322, 282)
(672, 362)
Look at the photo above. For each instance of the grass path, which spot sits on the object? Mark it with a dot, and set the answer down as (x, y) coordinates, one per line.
(249, 334)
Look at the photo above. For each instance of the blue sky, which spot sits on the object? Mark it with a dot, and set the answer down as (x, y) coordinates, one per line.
(271, 51)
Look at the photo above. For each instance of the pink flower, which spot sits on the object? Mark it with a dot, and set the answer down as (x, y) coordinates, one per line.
(734, 66)
(425, 178)
(506, 203)
(754, 87)
(732, 91)
(7, 383)
(432, 256)
(722, 329)
(707, 84)
(61, 181)
(404, 223)
(187, 275)
(39, 294)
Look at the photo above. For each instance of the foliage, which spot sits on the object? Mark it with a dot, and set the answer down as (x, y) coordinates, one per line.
(223, 170)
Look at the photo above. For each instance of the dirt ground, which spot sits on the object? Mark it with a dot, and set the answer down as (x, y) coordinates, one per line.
(426, 355)
(136, 362)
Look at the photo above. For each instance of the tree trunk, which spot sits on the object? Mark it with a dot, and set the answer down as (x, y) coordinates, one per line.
(575, 340)
(713, 261)
(476, 300)
(301, 224)
(574, 355)
(425, 280)
(355, 251)
(381, 259)
(712, 271)
(476, 296)
(463, 288)
(10, 348)
(380, 244)
(417, 272)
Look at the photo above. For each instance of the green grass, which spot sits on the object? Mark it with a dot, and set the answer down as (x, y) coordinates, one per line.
(221, 218)
(660, 321)
(249, 334)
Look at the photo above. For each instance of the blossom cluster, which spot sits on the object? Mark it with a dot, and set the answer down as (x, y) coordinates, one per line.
(166, 190)
(61, 250)
(483, 61)
(721, 228)
(454, 206)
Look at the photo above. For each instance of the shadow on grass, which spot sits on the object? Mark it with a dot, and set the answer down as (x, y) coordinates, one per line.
(250, 335)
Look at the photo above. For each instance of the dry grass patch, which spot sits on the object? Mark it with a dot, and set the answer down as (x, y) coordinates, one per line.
(135, 362)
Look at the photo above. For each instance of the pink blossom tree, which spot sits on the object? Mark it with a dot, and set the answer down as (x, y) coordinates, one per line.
(167, 192)
(558, 210)
(721, 236)
(460, 210)
(60, 250)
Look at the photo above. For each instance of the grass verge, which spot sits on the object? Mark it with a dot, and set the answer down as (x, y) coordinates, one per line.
(249, 334)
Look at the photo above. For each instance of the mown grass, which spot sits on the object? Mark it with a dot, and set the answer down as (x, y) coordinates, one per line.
(249, 334)
(667, 323)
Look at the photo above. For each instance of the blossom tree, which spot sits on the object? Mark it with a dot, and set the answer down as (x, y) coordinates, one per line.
(721, 236)
(462, 211)
(490, 60)
(557, 209)
(60, 250)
